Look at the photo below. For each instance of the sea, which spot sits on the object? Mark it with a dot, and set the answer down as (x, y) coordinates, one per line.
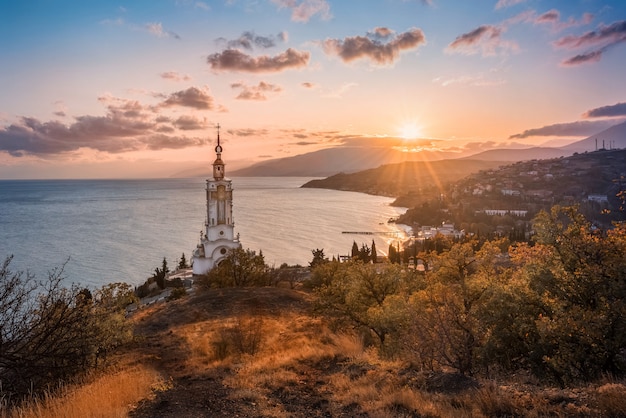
(105, 231)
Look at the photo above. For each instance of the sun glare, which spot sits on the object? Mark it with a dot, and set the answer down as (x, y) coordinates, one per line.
(410, 130)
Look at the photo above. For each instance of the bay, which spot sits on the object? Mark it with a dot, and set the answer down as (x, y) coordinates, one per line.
(120, 230)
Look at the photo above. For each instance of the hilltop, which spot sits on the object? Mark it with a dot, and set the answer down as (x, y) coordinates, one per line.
(263, 352)
(414, 177)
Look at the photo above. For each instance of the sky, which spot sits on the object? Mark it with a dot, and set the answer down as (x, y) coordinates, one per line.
(113, 89)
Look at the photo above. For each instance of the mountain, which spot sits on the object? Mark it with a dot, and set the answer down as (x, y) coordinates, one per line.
(512, 155)
(330, 161)
(421, 177)
(327, 162)
(611, 138)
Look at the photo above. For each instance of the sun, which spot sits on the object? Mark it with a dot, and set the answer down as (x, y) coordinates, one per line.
(410, 130)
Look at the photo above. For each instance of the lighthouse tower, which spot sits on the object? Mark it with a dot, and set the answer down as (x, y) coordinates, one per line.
(218, 236)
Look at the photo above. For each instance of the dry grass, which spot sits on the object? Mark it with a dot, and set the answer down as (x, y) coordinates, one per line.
(286, 362)
(109, 396)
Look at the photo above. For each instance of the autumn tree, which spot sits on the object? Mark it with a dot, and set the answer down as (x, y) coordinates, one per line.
(579, 274)
(366, 297)
(446, 314)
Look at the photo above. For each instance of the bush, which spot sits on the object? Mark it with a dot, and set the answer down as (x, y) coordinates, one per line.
(49, 333)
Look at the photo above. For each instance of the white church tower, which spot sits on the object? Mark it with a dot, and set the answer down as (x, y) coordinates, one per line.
(218, 236)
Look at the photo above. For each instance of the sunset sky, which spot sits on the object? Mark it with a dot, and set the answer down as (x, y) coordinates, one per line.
(135, 88)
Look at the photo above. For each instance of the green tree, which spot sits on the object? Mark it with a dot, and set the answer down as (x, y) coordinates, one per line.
(365, 254)
(240, 268)
(354, 253)
(393, 255)
(374, 255)
(318, 258)
(183, 264)
(161, 274)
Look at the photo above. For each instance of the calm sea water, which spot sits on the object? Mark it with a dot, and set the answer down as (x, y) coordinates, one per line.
(120, 230)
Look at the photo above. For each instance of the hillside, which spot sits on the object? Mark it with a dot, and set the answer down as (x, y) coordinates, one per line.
(298, 367)
(415, 177)
(503, 201)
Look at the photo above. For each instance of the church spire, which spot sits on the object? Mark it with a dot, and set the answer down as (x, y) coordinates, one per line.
(218, 164)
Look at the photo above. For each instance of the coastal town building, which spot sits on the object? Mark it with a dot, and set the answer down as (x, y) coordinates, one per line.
(218, 236)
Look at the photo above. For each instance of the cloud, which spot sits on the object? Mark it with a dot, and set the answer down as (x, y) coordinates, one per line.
(255, 92)
(127, 126)
(580, 128)
(593, 56)
(469, 80)
(602, 39)
(616, 32)
(234, 60)
(371, 47)
(306, 9)
(157, 30)
(381, 33)
(175, 76)
(188, 123)
(618, 109)
(248, 132)
(308, 85)
(202, 5)
(553, 18)
(336, 94)
(501, 4)
(248, 40)
(192, 97)
(486, 39)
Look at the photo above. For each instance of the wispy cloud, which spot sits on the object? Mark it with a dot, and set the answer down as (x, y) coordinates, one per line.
(257, 92)
(600, 40)
(305, 9)
(175, 76)
(501, 4)
(618, 109)
(486, 39)
(579, 128)
(336, 94)
(372, 46)
(156, 29)
(553, 18)
(249, 40)
(470, 80)
(235, 60)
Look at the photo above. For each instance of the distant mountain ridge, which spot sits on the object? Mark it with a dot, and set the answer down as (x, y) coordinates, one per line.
(330, 161)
